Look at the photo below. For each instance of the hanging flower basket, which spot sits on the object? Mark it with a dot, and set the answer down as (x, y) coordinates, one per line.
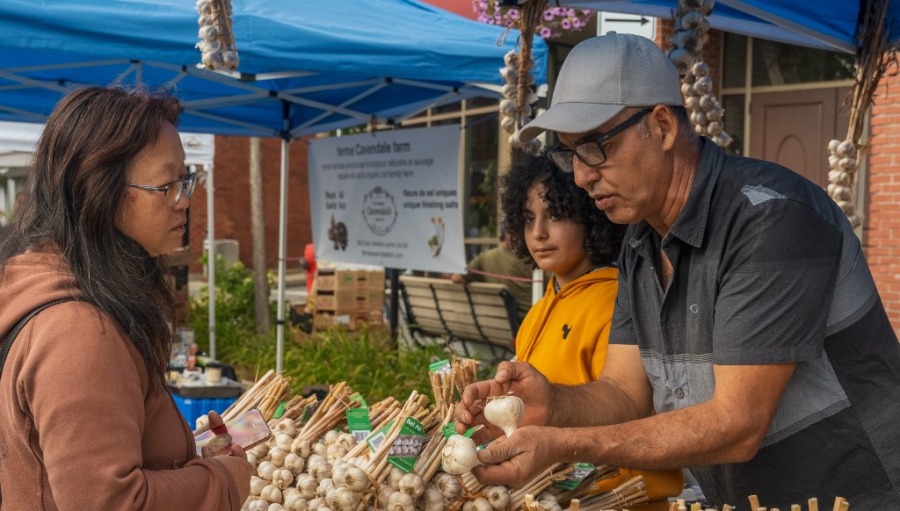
(556, 21)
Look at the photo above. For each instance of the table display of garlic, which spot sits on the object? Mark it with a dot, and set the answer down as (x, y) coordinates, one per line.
(317, 465)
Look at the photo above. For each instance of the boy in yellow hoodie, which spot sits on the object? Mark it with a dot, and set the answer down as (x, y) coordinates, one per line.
(554, 225)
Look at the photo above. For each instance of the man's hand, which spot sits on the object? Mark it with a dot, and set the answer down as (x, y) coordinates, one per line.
(517, 378)
(516, 460)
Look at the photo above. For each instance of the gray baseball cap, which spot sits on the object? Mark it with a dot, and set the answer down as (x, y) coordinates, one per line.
(600, 77)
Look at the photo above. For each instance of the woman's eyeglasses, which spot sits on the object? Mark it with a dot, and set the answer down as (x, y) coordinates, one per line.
(183, 186)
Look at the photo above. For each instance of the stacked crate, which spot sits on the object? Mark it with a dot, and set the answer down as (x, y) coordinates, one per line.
(346, 297)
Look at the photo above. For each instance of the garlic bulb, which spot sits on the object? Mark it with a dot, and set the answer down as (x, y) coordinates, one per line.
(256, 485)
(284, 441)
(287, 426)
(498, 497)
(301, 447)
(271, 493)
(275, 507)
(344, 499)
(394, 477)
(307, 485)
(258, 505)
(412, 484)
(384, 495)
(448, 485)
(505, 412)
(282, 478)
(265, 470)
(459, 455)
(276, 455)
(400, 501)
(294, 463)
(479, 504)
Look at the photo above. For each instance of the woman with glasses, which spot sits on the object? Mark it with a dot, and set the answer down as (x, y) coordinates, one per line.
(554, 225)
(87, 421)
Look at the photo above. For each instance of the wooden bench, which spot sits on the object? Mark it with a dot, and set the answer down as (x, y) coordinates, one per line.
(477, 312)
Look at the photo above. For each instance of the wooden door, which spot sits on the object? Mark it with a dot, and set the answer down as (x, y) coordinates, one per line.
(793, 128)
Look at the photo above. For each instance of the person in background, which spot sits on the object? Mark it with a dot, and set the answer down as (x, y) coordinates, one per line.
(554, 225)
(500, 265)
(87, 421)
(746, 315)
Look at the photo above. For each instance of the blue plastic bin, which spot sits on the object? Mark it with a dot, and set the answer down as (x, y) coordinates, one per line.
(192, 408)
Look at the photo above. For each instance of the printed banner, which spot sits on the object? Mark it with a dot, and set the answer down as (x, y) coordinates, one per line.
(388, 198)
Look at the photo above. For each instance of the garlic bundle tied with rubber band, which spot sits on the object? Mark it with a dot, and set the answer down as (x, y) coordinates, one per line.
(505, 412)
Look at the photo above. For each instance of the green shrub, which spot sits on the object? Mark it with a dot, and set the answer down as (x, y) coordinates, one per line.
(364, 359)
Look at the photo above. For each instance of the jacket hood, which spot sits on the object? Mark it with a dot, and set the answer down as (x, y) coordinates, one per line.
(30, 280)
(588, 279)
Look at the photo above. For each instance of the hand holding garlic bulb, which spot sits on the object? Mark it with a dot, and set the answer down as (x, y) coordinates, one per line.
(505, 412)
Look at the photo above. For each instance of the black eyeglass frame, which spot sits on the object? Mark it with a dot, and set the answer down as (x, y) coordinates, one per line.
(563, 157)
(187, 183)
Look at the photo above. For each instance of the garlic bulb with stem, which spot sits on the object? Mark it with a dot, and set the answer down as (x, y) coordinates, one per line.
(505, 412)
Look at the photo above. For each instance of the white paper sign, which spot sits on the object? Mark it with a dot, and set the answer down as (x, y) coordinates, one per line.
(388, 198)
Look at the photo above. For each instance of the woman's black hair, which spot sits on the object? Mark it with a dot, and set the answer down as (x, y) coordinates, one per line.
(602, 239)
(73, 195)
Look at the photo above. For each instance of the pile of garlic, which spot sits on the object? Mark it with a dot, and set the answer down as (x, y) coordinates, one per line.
(518, 96)
(216, 45)
(842, 163)
(687, 41)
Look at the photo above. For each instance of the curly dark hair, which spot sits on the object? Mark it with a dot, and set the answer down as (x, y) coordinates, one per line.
(602, 239)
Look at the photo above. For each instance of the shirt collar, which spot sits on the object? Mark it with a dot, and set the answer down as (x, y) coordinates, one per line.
(690, 226)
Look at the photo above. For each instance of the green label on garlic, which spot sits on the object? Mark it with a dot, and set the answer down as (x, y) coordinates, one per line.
(581, 472)
(441, 366)
(358, 421)
(450, 429)
(406, 448)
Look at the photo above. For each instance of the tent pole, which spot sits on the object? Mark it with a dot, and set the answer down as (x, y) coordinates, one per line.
(282, 257)
(211, 258)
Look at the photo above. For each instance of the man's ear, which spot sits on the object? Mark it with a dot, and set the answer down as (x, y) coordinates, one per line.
(666, 125)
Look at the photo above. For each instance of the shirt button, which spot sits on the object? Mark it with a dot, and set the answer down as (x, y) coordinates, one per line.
(679, 393)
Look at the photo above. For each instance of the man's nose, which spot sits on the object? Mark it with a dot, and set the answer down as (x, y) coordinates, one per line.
(585, 175)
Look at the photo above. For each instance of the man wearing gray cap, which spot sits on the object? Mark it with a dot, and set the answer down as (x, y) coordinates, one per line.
(748, 343)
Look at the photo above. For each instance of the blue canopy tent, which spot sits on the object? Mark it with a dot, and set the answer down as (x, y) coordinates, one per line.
(824, 24)
(305, 67)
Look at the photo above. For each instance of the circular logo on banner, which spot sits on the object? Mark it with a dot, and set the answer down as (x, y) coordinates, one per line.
(379, 211)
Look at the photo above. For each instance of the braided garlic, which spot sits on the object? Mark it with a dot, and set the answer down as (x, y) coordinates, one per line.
(705, 110)
(514, 113)
(843, 163)
(217, 48)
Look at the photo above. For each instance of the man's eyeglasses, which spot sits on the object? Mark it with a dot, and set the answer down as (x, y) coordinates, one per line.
(591, 153)
(179, 187)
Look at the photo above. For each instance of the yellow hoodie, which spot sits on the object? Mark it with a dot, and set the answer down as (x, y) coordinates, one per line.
(564, 336)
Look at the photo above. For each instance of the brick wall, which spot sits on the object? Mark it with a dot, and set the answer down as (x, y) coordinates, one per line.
(232, 200)
(881, 231)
